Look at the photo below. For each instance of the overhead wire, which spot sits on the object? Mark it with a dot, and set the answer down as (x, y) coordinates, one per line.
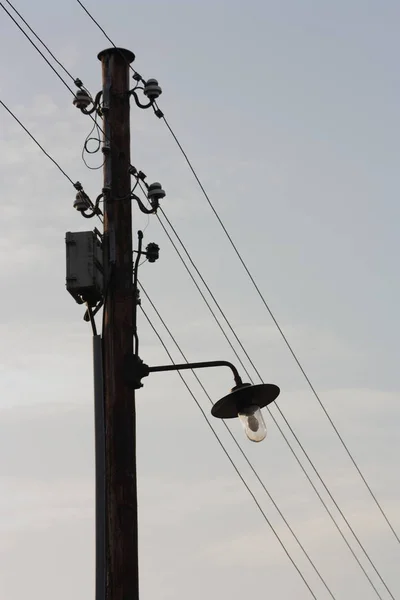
(105, 34)
(276, 405)
(287, 440)
(61, 79)
(85, 148)
(97, 24)
(243, 453)
(193, 173)
(75, 184)
(266, 305)
(283, 335)
(90, 312)
(41, 41)
(37, 49)
(200, 292)
(37, 143)
(221, 444)
(76, 81)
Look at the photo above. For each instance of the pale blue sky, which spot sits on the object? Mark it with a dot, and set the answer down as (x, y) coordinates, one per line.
(289, 112)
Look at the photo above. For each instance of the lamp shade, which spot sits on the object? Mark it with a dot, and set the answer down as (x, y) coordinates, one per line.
(243, 396)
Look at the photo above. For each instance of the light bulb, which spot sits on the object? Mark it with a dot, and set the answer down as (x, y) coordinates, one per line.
(253, 423)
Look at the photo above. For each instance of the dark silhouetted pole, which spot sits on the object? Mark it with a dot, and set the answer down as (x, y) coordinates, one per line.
(121, 488)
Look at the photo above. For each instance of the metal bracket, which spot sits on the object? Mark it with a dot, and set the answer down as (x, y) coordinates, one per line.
(134, 371)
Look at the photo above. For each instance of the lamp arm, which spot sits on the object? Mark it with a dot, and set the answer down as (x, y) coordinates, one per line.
(135, 369)
(199, 365)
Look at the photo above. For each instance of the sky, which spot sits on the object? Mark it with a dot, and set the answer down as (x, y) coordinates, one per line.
(289, 112)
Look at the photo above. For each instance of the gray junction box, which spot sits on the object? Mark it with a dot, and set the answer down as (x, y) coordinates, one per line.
(84, 267)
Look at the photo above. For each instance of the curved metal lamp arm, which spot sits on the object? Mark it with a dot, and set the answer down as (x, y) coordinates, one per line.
(135, 369)
(200, 365)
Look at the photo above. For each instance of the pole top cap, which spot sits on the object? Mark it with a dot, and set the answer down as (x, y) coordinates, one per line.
(126, 54)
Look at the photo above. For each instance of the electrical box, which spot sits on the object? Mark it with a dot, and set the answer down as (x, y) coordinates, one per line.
(84, 266)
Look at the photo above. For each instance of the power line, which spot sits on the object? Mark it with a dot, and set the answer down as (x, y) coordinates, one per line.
(38, 49)
(76, 184)
(237, 444)
(96, 23)
(203, 192)
(199, 290)
(76, 81)
(37, 143)
(104, 33)
(275, 421)
(205, 300)
(284, 337)
(278, 408)
(229, 457)
(291, 447)
(366, 554)
(41, 41)
(50, 157)
(261, 379)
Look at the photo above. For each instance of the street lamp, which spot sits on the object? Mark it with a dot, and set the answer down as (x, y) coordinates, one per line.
(244, 401)
(99, 274)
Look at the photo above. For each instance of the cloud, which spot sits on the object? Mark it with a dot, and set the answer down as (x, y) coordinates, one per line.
(30, 504)
(291, 190)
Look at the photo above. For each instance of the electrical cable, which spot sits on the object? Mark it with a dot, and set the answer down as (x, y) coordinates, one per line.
(228, 455)
(237, 443)
(97, 24)
(284, 418)
(221, 223)
(42, 42)
(104, 134)
(90, 138)
(75, 80)
(300, 463)
(63, 81)
(283, 335)
(48, 62)
(37, 143)
(44, 151)
(37, 48)
(206, 301)
(274, 319)
(198, 288)
(281, 431)
(262, 381)
(277, 406)
(91, 318)
(105, 34)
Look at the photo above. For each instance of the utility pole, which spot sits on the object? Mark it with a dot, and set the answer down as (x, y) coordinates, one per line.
(119, 316)
(100, 273)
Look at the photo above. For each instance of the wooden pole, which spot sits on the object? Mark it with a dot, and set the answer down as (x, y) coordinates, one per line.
(119, 316)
